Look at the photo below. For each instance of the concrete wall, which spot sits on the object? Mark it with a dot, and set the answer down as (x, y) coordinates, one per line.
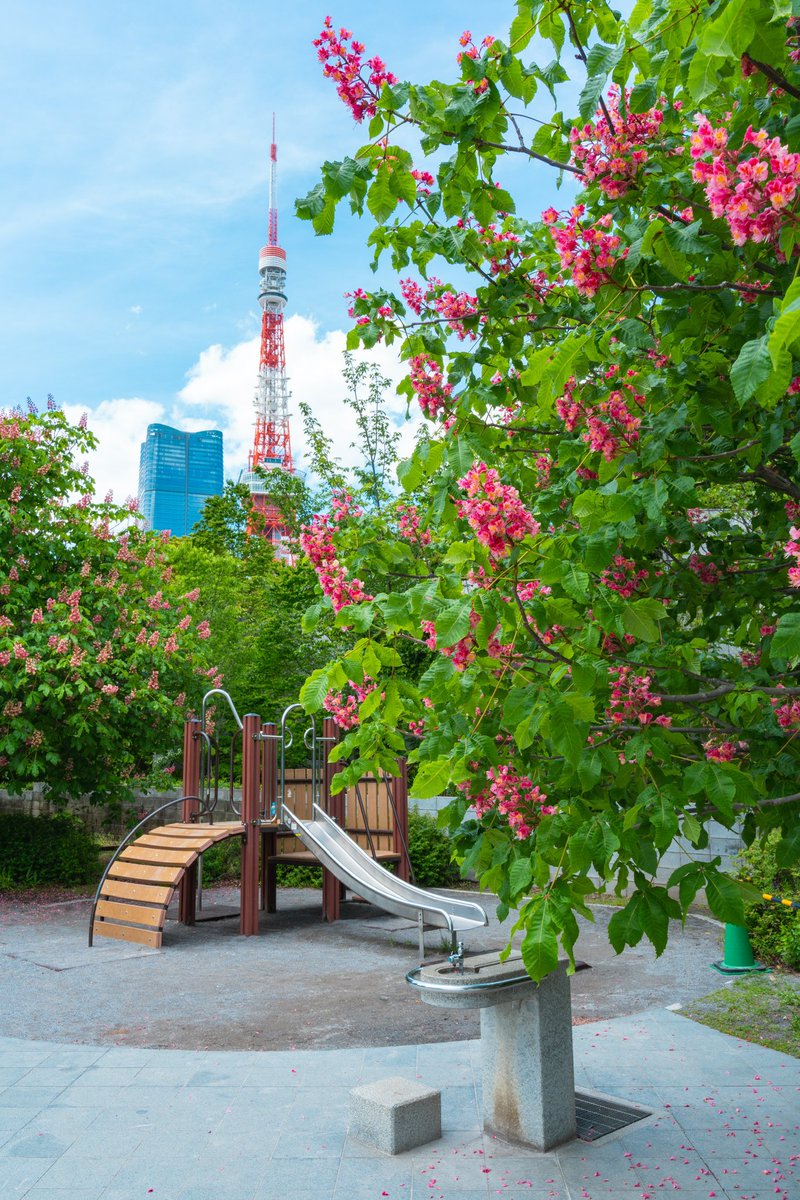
(721, 841)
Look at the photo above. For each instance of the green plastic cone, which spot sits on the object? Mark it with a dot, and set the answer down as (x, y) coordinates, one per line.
(738, 954)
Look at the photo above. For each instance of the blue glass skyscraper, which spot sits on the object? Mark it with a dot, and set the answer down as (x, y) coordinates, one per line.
(177, 474)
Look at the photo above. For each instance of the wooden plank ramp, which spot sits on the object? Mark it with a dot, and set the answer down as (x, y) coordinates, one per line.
(136, 893)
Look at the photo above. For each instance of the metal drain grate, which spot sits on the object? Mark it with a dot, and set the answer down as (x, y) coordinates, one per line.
(596, 1116)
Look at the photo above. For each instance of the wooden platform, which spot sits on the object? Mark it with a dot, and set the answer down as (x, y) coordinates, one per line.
(136, 893)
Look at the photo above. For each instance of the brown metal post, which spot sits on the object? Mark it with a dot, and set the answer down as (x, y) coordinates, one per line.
(400, 830)
(335, 808)
(251, 778)
(187, 891)
(270, 802)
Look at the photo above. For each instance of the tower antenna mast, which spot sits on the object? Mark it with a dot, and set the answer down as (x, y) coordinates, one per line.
(272, 442)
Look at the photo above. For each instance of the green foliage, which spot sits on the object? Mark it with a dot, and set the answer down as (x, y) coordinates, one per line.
(430, 850)
(600, 603)
(98, 666)
(290, 876)
(46, 850)
(774, 929)
(222, 862)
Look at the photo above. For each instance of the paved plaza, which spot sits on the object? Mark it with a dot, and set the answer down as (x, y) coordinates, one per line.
(106, 1121)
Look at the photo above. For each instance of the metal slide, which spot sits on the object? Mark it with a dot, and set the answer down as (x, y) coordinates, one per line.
(357, 870)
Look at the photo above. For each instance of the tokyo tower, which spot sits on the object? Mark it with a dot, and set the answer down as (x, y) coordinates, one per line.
(272, 443)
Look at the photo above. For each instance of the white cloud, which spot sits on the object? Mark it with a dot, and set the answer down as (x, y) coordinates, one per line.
(219, 395)
(119, 426)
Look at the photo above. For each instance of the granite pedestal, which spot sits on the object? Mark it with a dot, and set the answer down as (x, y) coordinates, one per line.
(396, 1114)
(526, 1043)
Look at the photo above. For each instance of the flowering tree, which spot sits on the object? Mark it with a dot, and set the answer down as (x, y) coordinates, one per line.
(606, 537)
(97, 665)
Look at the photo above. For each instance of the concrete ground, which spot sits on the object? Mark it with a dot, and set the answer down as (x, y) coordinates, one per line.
(92, 1107)
(299, 984)
(100, 1123)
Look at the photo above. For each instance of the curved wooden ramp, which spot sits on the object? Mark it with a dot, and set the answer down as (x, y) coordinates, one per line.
(133, 901)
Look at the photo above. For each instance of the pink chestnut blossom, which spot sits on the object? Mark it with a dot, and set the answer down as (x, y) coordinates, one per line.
(494, 511)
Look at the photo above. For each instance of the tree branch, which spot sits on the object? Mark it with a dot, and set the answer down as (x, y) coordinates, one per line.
(774, 77)
(697, 697)
(770, 478)
(531, 629)
(718, 457)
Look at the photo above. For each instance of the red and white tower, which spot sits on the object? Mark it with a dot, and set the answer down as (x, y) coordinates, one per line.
(272, 443)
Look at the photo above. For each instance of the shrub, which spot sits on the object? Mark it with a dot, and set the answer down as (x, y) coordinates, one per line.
(54, 849)
(773, 928)
(430, 850)
(222, 862)
(299, 877)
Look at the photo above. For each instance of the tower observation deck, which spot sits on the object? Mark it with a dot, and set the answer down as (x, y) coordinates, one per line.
(272, 443)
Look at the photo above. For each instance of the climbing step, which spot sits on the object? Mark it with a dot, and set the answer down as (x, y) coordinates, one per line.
(134, 897)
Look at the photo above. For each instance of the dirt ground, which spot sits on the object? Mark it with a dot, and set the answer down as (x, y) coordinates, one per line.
(300, 984)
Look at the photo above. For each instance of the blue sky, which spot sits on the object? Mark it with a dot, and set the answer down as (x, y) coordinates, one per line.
(133, 167)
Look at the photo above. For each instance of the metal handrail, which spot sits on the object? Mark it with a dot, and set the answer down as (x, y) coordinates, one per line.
(367, 829)
(286, 744)
(398, 826)
(125, 841)
(219, 692)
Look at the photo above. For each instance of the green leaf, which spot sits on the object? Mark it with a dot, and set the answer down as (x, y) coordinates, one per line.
(643, 96)
(540, 944)
(599, 65)
(520, 875)
(431, 779)
(752, 368)
(786, 638)
(314, 690)
(339, 176)
(729, 35)
(370, 661)
(724, 896)
(522, 30)
(703, 77)
(381, 200)
(311, 617)
(639, 623)
(627, 926)
(370, 704)
(567, 734)
(676, 263)
(410, 473)
(786, 332)
(452, 622)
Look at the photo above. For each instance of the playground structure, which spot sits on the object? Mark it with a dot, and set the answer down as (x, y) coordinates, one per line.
(354, 835)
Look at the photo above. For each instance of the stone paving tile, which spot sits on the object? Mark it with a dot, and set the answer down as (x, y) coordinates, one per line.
(88, 1172)
(72, 1193)
(307, 1144)
(460, 1109)
(18, 1175)
(59, 1076)
(135, 1177)
(447, 1191)
(30, 1143)
(28, 1097)
(79, 1096)
(219, 1167)
(216, 1191)
(527, 1176)
(298, 1178)
(16, 1118)
(99, 1075)
(387, 1061)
